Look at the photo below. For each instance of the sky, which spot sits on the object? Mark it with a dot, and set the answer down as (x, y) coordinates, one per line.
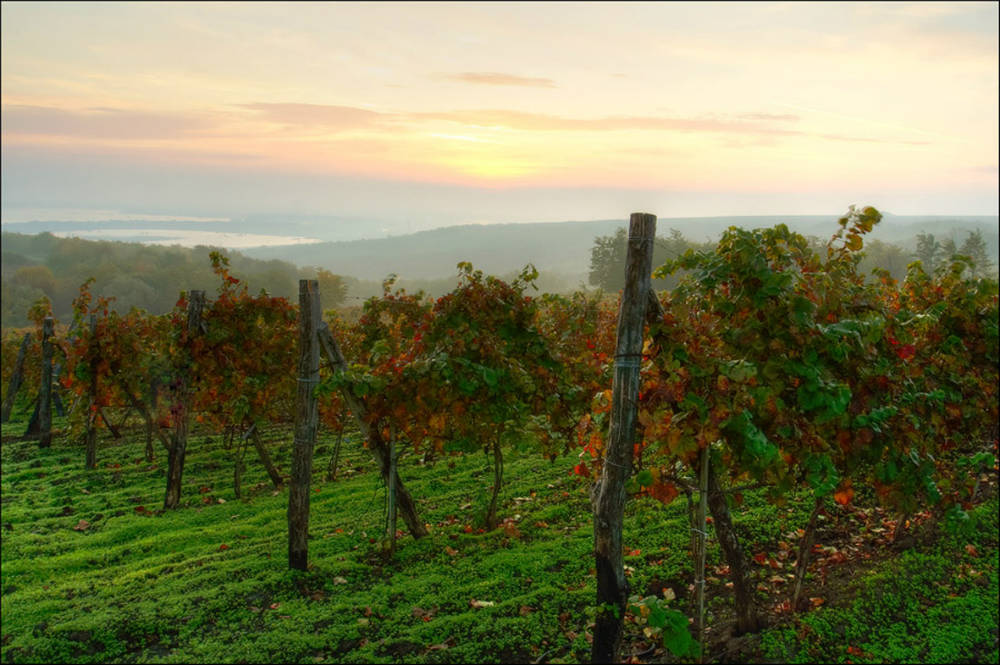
(438, 113)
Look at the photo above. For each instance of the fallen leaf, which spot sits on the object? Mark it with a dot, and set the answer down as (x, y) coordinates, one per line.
(511, 530)
(340, 580)
(274, 606)
(450, 551)
(437, 647)
(82, 525)
(223, 547)
(972, 551)
(479, 604)
(816, 602)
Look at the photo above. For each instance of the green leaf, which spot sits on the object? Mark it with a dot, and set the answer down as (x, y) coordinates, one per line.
(644, 478)
(821, 474)
(676, 636)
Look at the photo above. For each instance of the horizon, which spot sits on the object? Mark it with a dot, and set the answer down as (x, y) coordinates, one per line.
(408, 116)
(144, 229)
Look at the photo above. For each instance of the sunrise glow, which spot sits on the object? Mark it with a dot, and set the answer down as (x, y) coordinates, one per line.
(882, 99)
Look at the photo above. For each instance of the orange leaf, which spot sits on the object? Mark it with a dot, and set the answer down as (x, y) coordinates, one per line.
(664, 492)
(844, 495)
(223, 547)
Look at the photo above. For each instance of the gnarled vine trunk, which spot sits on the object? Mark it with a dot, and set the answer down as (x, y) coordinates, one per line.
(376, 444)
(181, 407)
(747, 620)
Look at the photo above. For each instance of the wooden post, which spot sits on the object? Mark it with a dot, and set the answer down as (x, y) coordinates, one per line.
(608, 495)
(45, 394)
(15, 379)
(376, 444)
(306, 423)
(90, 438)
(181, 407)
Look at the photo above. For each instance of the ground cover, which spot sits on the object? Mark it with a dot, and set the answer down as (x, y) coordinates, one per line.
(93, 571)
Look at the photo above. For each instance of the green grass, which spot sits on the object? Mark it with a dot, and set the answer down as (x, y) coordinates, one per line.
(136, 587)
(933, 605)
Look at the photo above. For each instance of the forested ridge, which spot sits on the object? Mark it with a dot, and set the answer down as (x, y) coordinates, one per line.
(146, 276)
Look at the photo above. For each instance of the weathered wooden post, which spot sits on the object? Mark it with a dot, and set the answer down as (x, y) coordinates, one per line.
(16, 378)
(90, 438)
(45, 393)
(608, 495)
(181, 407)
(306, 423)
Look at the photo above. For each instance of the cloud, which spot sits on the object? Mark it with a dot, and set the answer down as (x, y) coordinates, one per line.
(102, 123)
(544, 122)
(497, 78)
(863, 139)
(317, 115)
(769, 117)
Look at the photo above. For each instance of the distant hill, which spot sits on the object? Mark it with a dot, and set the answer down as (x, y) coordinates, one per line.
(564, 247)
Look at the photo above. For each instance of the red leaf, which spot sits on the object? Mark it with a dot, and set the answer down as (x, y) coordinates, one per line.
(223, 547)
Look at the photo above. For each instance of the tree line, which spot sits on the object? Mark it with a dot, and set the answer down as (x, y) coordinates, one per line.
(607, 256)
(147, 277)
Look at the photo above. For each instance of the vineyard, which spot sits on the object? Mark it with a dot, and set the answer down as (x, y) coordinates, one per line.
(780, 459)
